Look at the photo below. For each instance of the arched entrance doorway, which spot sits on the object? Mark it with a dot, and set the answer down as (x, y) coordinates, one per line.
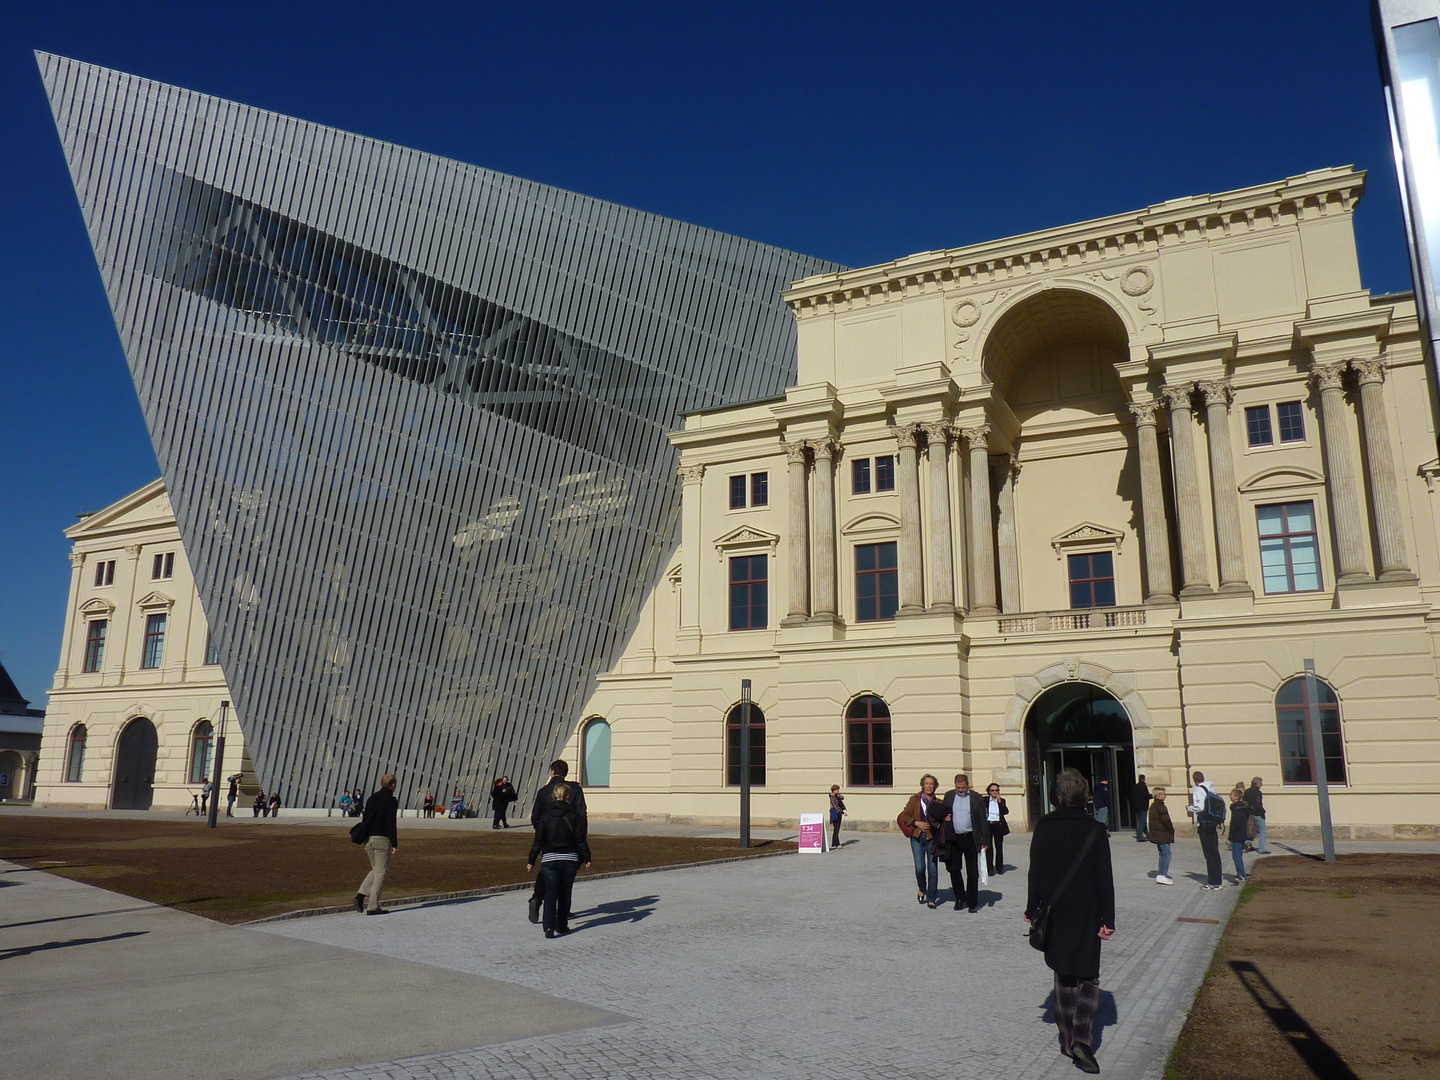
(1079, 725)
(134, 787)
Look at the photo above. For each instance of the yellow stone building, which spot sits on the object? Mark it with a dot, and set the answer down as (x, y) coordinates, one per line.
(1087, 496)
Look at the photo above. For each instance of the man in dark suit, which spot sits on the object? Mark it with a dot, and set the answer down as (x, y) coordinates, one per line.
(958, 820)
(559, 770)
(381, 843)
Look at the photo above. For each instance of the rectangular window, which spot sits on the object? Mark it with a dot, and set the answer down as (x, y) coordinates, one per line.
(759, 489)
(154, 641)
(749, 593)
(163, 567)
(95, 644)
(737, 493)
(885, 473)
(1257, 426)
(105, 573)
(1092, 580)
(1289, 547)
(860, 476)
(1291, 415)
(877, 583)
(212, 651)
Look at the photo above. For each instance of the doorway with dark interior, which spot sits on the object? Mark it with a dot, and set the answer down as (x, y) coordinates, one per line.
(134, 786)
(1082, 726)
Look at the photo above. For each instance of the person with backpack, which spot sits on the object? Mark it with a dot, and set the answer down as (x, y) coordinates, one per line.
(560, 848)
(1208, 811)
(1239, 830)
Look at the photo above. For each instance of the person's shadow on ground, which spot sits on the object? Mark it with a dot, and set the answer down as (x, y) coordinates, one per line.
(1107, 1014)
(617, 911)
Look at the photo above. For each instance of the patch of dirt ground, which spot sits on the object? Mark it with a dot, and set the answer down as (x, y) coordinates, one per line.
(1324, 971)
(236, 872)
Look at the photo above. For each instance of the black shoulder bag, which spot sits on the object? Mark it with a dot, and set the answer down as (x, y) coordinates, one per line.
(1040, 924)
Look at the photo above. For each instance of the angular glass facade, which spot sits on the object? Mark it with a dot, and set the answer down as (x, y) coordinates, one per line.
(411, 416)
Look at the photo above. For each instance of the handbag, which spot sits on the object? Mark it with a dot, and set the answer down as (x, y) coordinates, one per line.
(1040, 925)
(1252, 828)
(358, 835)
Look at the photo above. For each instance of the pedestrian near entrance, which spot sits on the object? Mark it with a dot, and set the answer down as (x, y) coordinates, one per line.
(1102, 803)
(958, 822)
(1067, 844)
(837, 814)
(575, 795)
(1256, 802)
(1207, 826)
(1140, 808)
(914, 822)
(382, 841)
(560, 847)
(1162, 834)
(995, 814)
(1239, 830)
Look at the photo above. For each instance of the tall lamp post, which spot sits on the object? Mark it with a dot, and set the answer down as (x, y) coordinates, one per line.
(1407, 39)
(219, 764)
(744, 763)
(1315, 727)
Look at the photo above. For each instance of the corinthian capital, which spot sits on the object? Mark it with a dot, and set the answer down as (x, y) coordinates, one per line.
(1216, 392)
(1144, 411)
(1177, 398)
(795, 452)
(77, 559)
(691, 474)
(906, 434)
(938, 432)
(1327, 376)
(1369, 371)
(824, 448)
(977, 436)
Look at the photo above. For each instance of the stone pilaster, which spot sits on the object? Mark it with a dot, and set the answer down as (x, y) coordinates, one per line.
(1340, 469)
(1223, 493)
(907, 485)
(690, 507)
(1380, 462)
(1006, 540)
(67, 635)
(1194, 579)
(942, 551)
(982, 528)
(799, 538)
(1159, 589)
(823, 452)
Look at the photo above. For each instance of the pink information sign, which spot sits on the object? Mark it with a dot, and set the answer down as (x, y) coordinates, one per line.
(812, 832)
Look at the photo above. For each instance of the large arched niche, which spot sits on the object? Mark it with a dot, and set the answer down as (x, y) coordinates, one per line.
(1055, 345)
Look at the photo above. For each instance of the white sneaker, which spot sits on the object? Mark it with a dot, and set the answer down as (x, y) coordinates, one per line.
(1163, 880)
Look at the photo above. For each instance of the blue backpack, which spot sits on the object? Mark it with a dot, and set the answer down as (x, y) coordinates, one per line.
(1214, 812)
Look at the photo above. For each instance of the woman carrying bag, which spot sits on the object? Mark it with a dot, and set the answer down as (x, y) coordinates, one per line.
(995, 813)
(914, 822)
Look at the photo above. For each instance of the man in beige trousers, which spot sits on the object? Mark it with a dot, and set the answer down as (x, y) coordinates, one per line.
(378, 823)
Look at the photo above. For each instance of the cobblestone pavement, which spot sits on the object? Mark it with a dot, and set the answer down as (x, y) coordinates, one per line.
(806, 966)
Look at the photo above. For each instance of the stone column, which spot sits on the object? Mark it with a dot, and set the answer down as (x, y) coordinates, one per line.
(690, 528)
(1223, 494)
(1005, 538)
(1152, 505)
(824, 454)
(1380, 459)
(942, 550)
(1344, 498)
(907, 484)
(799, 538)
(1187, 493)
(72, 615)
(982, 530)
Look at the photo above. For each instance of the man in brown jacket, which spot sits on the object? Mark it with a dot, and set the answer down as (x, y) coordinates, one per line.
(1162, 834)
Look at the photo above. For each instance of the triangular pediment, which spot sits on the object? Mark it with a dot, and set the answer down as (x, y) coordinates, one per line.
(746, 536)
(95, 608)
(1087, 534)
(150, 505)
(155, 600)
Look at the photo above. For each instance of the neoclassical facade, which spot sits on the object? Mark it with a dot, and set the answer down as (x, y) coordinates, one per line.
(1091, 496)
(135, 710)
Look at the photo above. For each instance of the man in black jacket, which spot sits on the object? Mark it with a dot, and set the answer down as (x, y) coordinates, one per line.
(1140, 807)
(959, 821)
(1256, 802)
(559, 770)
(378, 823)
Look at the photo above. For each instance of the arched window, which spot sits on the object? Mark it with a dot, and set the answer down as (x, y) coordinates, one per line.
(75, 754)
(202, 740)
(595, 754)
(867, 743)
(757, 747)
(1292, 705)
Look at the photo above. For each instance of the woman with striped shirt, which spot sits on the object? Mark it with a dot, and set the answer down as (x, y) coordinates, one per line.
(561, 848)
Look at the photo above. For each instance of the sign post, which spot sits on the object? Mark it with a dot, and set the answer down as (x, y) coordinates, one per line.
(744, 763)
(1317, 759)
(219, 763)
(812, 833)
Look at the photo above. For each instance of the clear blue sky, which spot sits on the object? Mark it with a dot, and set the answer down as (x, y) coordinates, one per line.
(837, 129)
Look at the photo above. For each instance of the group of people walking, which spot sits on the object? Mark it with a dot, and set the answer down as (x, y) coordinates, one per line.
(955, 828)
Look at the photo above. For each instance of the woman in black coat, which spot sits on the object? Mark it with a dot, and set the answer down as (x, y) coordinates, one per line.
(560, 849)
(1081, 916)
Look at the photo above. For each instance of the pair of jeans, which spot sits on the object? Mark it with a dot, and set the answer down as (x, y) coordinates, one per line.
(1164, 859)
(559, 876)
(927, 867)
(1237, 853)
(1142, 826)
(1260, 845)
(1102, 815)
(1210, 845)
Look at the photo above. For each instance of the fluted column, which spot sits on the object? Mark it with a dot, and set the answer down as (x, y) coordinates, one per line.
(690, 528)
(982, 528)
(1223, 493)
(1344, 497)
(1152, 505)
(824, 562)
(799, 538)
(1187, 493)
(1380, 460)
(907, 484)
(942, 551)
(1005, 538)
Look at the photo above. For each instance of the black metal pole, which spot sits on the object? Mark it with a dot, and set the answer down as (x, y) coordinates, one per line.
(744, 763)
(219, 763)
(1317, 760)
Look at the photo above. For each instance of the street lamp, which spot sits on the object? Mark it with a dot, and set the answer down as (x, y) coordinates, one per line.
(744, 763)
(1407, 40)
(215, 772)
